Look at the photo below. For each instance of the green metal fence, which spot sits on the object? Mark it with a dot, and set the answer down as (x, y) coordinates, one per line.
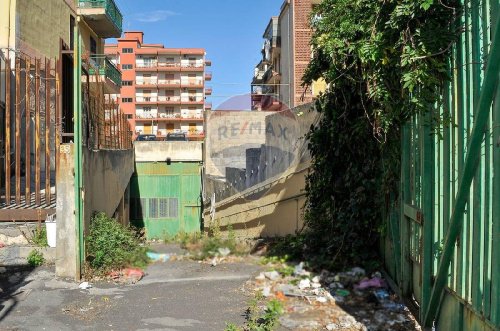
(443, 243)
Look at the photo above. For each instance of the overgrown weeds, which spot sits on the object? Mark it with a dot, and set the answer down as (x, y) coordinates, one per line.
(211, 244)
(39, 237)
(260, 317)
(112, 246)
(35, 258)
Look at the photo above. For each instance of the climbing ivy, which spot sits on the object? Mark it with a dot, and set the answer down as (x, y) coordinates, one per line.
(383, 61)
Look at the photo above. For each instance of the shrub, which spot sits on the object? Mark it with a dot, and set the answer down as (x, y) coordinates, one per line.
(35, 258)
(110, 246)
(39, 237)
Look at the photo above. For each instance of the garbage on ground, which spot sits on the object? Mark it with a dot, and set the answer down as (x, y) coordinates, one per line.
(321, 301)
(272, 275)
(157, 257)
(224, 251)
(84, 286)
(127, 275)
(367, 283)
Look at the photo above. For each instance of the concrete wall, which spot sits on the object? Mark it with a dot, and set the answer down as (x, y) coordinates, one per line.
(239, 164)
(160, 151)
(106, 176)
(263, 211)
(271, 201)
(35, 27)
(229, 134)
(67, 262)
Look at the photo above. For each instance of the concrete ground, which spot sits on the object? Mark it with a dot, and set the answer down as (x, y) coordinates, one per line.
(174, 295)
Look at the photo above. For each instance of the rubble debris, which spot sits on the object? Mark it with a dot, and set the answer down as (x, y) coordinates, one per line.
(348, 300)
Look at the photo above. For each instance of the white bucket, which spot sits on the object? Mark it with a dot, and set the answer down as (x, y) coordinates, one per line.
(50, 227)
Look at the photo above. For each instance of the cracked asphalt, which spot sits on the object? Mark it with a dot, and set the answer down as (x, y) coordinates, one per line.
(174, 295)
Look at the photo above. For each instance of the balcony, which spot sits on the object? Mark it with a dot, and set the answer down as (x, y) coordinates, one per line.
(208, 106)
(171, 117)
(146, 83)
(196, 66)
(208, 91)
(271, 76)
(192, 83)
(100, 65)
(208, 63)
(102, 16)
(169, 83)
(192, 100)
(208, 76)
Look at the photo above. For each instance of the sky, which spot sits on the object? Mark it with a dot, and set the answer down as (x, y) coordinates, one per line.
(230, 31)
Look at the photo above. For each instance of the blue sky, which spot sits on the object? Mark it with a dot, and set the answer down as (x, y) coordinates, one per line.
(230, 30)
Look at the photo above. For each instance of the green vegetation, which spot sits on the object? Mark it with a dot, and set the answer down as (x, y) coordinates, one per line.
(383, 62)
(35, 258)
(203, 246)
(259, 319)
(112, 246)
(39, 237)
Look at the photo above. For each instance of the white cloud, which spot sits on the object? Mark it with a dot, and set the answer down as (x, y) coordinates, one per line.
(154, 16)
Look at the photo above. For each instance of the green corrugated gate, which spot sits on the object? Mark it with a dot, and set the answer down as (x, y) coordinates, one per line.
(165, 199)
(443, 243)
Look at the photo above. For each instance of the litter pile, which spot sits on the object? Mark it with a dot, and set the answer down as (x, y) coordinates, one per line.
(348, 300)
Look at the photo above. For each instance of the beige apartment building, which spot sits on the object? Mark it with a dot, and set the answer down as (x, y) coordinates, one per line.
(277, 81)
(163, 89)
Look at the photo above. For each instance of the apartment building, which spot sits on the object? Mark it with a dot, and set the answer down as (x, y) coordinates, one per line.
(286, 52)
(163, 89)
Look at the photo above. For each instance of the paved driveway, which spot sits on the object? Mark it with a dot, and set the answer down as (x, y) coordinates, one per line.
(176, 295)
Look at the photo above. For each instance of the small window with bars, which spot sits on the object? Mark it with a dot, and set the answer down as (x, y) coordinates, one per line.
(163, 208)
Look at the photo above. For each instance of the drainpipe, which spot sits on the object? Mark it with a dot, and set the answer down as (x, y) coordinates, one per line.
(77, 120)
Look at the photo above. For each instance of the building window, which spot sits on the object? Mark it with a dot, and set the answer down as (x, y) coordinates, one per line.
(127, 83)
(130, 116)
(127, 100)
(127, 67)
(127, 50)
(163, 208)
(169, 111)
(147, 109)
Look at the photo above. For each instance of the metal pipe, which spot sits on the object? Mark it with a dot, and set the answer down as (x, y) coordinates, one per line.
(78, 184)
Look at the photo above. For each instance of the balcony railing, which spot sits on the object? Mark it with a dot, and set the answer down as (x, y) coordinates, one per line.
(105, 68)
(164, 116)
(208, 75)
(192, 99)
(192, 82)
(169, 82)
(208, 105)
(146, 82)
(169, 98)
(160, 98)
(112, 11)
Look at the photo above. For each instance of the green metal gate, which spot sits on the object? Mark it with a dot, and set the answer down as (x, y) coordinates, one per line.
(165, 199)
(443, 244)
